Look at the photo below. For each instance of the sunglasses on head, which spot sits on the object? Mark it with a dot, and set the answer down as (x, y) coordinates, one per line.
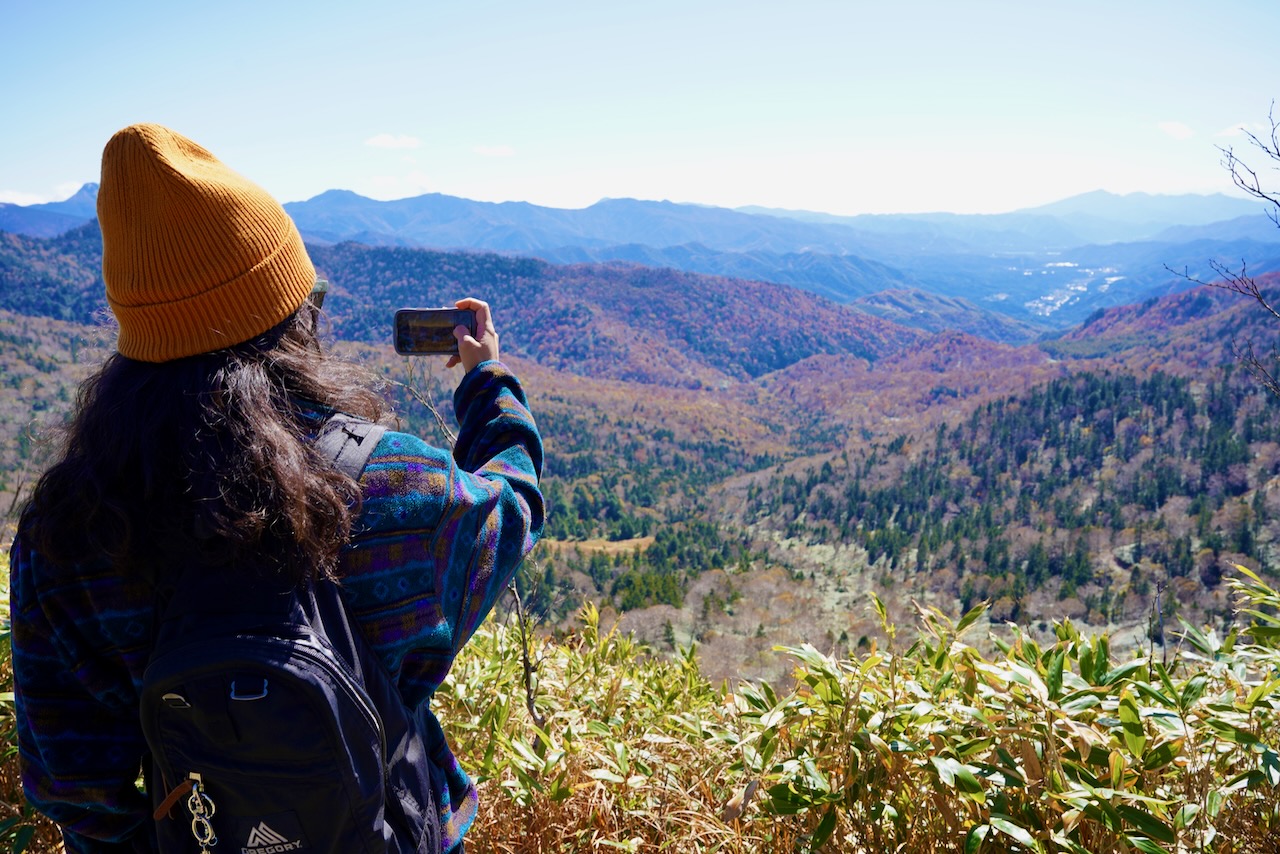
(316, 297)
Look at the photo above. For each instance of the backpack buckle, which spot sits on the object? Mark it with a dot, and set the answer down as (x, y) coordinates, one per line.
(175, 701)
(261, 692)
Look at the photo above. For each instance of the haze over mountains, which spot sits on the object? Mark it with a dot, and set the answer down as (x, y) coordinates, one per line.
(1007, 276)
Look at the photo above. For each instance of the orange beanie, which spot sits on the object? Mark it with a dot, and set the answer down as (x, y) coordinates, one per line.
(195, 256)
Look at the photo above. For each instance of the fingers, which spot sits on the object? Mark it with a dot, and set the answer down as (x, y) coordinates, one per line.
(484, 316)
(483, 345)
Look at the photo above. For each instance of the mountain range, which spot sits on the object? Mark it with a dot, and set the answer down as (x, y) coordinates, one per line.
(1017, 275)
(707, 433)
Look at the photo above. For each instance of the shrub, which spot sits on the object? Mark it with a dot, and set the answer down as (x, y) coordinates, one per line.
(601, 745)
(937, 748)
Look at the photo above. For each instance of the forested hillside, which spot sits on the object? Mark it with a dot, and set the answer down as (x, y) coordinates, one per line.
(737, 462)
(1092, 490)
(622, 322)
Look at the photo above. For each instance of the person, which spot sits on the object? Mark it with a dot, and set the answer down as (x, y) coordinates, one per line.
(191, 445)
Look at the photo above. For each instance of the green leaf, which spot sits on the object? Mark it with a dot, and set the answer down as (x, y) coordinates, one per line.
(1070, 845)
(1163, 673)
(1135, 737)
(1182, 818)
(1076, 703)
(1154, 693)
(957, 775)
(1271, 767)
(881, 611)
(1244, 570)
(825, 828)
(1118, 767)
(1264, 689)
(965, 749)
(1005, 825)
(1214, 801)
(1147, 823)
(973, 842)
(971, 617)
(1193, 691)
(1230, 732)
(1053, 678)
(1163, 755)
(1122, 671)
(1206, 645)
(532, 760)
(1086, 664)
(1103, 813)
(560, 789)
(817, 779)
(772, 718)
(1142, 843)
(1248, 780)
(22, 839)
(1102, 656)
(785, 800)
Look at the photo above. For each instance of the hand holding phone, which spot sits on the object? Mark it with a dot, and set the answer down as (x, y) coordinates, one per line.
(480, 345)
(465, 333)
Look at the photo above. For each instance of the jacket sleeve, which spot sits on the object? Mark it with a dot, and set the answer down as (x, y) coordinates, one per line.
(499, 454)
(79, 742)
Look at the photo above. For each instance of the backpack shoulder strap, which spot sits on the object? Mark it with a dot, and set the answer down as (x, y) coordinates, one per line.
(348, 441)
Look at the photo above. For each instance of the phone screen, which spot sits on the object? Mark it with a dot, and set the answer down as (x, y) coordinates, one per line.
(427, 331)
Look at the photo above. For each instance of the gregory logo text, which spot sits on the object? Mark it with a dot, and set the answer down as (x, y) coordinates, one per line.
(264, 840)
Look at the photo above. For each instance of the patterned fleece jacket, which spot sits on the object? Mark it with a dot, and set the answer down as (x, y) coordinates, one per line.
(438, 539)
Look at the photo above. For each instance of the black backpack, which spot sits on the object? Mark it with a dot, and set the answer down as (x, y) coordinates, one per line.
(272, 726)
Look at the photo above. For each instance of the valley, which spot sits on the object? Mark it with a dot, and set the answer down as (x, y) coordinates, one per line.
(739, 464)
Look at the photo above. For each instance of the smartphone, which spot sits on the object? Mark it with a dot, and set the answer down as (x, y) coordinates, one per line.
(428, 331)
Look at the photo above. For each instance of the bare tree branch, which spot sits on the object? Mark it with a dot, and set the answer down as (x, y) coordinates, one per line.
(1254, 365)
(415, 380)
(524, 621)
(1241, 283)
(1246, 178)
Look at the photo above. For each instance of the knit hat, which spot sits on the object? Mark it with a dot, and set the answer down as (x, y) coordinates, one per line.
(195, 256)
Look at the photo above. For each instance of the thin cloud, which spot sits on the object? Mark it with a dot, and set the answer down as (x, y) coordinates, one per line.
(1241, 128)
(494, 150)
(1177, 130)
(17, 197)
(392, 140)
(413, 183)
(60, 193)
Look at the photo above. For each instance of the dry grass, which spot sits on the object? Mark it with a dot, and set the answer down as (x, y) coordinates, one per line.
(937, 747)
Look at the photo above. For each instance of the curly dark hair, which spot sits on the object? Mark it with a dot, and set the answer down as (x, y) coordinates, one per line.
(206, 459)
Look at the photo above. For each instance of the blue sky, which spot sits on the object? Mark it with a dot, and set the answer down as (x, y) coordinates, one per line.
(844, 107)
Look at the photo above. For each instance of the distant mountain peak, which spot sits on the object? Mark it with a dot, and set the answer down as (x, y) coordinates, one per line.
(86, 191)
(338, 195)
(1141, 207)
(82, 204)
